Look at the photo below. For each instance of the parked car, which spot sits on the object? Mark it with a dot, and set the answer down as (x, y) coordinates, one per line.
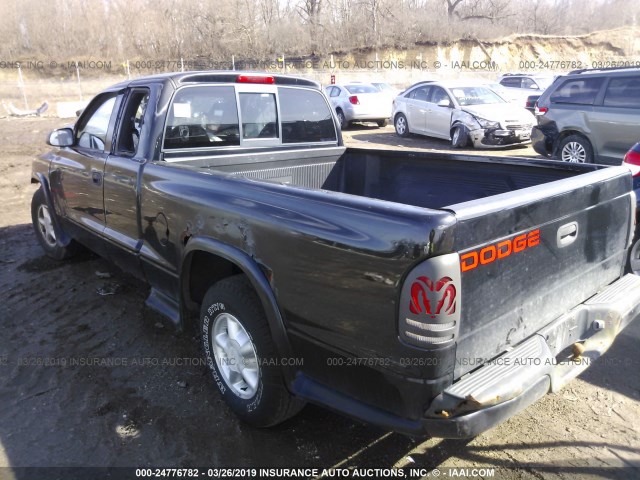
(426, 293)
(464, 113)
(526, 82)
(359, 102)
(632, 160)
(525, 88)
(532, 101)
(590, 115)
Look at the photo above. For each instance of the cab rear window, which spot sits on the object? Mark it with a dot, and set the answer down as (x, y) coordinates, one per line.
(218, 116)
(202, 117)
(306, 117)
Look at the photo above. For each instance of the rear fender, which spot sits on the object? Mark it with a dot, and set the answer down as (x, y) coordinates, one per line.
(258, 280)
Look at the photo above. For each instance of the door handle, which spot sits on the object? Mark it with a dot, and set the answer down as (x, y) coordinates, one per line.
(567, 234)
(96, 177)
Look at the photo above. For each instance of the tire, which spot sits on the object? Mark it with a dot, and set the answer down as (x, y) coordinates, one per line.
(575, 149)
(401, 125)
(382, 123)
(241, 354)
(342, 120)
(42, 219)
(633, 260)
(459, 137)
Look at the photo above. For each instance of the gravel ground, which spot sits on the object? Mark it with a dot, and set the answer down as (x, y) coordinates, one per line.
(134, 393)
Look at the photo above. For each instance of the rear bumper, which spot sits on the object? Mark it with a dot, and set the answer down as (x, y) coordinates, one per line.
(544, 362)
(543, 140)
(358, 113)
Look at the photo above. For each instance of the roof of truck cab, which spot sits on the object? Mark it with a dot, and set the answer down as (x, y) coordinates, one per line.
(214, 76)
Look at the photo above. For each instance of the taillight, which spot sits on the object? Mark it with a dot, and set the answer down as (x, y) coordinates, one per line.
(632, 160)
(541, 110)
(263, 79)
(430, 302)
(353, 99)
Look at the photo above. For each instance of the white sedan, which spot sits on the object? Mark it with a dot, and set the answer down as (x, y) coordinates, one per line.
(359, 102)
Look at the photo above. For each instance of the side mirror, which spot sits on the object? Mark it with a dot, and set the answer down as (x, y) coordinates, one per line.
(63, 137)
(444, 103)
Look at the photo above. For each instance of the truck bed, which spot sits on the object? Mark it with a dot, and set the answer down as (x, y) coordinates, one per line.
(493, 200)
(419, 179)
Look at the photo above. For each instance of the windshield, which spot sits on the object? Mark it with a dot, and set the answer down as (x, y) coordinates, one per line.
(361, 89)
(476, 96)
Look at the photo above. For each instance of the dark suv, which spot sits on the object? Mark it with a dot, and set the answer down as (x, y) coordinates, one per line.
(589, 116)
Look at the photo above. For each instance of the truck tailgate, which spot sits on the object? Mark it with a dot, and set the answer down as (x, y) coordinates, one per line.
(531, 255)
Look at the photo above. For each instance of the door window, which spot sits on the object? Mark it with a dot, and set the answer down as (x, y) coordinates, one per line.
(582, 91)
(623, 92)
(511, 82)
(132, 122)
(438, 94)
(420, 93)
(92, 133)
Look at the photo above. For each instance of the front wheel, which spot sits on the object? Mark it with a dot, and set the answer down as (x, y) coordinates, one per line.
(43, 224)
(459, 137)
(241, 354)
(575, 149)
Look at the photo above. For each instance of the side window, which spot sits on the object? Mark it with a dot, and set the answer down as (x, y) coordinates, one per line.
(623, 92)
(511, 82)
(421, 93)
(438, 94)
(200, 117)
(582, 91)
(305, 116)
(93, 133)
(335, 92)
(259, 115)
(132, 122)
(528, 83)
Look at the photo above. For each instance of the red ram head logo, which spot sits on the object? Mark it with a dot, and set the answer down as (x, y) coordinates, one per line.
(425, 294)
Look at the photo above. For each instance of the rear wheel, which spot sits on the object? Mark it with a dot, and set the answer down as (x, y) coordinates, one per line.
(241, 354)
(43, 224)
(401, 125)
(459, 137)
(633, 262)
(575, 149)
(342, 120)
(382, 123)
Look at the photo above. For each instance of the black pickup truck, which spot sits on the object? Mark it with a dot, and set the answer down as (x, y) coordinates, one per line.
(426, 293)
